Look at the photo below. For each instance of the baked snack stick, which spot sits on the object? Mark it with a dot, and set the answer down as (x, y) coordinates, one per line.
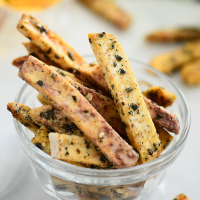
(164, 137)
(110, 11)
(58, 51)
(66, 98)
(160, 96)
(190, 72)
(171, 61)
(181, 197)
(49, 42)
(73, 148)
(174, 35)
(126, 94)
(20, 113)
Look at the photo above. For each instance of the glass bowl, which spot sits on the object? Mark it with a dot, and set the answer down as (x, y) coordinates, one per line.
(70, 182)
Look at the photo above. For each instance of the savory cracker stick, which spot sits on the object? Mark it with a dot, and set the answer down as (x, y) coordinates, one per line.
(54, 119)
(85, 194)
(41, 140)
(163, 117)
(73, 148)
(110, 11)
(18, 62)
(66, 98)
(160, 96)
(174, 35)
(191, 72)
(49, 42)
(168, 62)
(20, 113)
(181, 197)
(164, 137)
(126, 94)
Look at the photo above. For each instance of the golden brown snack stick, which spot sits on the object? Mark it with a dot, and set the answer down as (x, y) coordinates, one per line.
(49, 42)
(41, 140)
(110, 11)
(174, 35)
(20, 112)
(126, 94)
(191, 72)
(160, 96)
(164, 137)
(74, 148)
(66, 98)
(171, 61)
(181, 197)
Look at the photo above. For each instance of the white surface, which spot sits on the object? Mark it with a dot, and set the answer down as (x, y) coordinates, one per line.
(16, 179)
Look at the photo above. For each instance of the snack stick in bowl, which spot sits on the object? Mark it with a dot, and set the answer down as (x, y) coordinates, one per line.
(41, 140)
(160, 96)
(169, 62)
(126, 94)
(110, 11)
(49, 42)
(73, 148)
(20, 112)
(66, 98)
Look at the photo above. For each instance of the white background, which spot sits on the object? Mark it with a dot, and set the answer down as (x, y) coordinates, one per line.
(73, 22)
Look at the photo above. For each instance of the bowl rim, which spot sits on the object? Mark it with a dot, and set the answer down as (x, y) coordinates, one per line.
(115, 172)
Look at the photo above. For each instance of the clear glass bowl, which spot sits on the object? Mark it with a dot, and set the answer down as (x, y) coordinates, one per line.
(69, 182)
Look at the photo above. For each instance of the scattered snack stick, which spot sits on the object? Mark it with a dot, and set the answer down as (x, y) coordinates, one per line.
(59, 51)
(110, 11)
(20, 113)
(190, 72)
(126, 94)
(181, 197)
(66, 98)
(160, 96)
(174, 35)
(73, 148)
(171, 61)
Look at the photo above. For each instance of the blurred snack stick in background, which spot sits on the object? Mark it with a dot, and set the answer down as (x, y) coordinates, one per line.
(171, 61)
(174, 35)
(160, 96)
(191, 72)
(110, 11)
(181, 197)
